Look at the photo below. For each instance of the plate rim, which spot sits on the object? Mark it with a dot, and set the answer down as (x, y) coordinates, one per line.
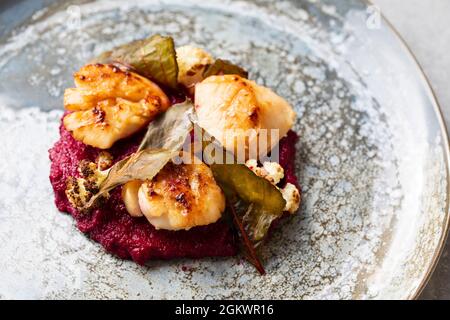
(437, 108)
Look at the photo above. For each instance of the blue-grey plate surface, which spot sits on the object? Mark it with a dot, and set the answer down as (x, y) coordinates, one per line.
(372, 158)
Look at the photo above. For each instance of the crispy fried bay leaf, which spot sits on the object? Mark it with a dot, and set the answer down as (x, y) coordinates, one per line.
(154, 58)
(252, 201)
(249, 248)
(164, 138)
(264, 201)
(141, 165)
(170, 129)
(224, 67)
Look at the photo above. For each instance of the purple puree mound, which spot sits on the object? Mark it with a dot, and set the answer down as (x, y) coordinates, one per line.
(135, 238)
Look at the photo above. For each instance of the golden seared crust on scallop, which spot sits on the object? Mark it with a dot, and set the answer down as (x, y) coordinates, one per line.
(181, 197)
(96, 82)
(230, 107)
(110, 104)
(110, 120)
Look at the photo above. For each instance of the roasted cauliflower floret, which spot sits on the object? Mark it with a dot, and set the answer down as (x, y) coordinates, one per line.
(291, 194)
(273, 172)
(192, 62)
(110, 104)
(234, 110)
(80, 190)
(179, 197)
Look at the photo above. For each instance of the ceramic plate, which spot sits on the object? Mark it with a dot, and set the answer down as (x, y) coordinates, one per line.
(372, 158)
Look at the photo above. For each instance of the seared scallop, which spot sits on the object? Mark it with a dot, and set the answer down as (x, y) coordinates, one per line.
(181, 197)
(96, 82)
(236, 110)
(110, 104)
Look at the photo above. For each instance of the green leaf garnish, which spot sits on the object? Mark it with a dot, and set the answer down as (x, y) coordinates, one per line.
(154, 58)
(220, 67)
(248, 246)
(170, 129)
(141, 165)
(264, 200)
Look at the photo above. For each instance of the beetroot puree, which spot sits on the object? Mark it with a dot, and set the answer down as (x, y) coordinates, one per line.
(135, 238)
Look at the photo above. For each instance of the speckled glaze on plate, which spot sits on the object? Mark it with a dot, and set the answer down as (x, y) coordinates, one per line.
(372, 157)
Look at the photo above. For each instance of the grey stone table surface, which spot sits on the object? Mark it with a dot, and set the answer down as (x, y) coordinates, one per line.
(425, 26)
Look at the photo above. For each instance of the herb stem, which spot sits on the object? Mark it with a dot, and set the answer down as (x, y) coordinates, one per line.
(252, 256)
